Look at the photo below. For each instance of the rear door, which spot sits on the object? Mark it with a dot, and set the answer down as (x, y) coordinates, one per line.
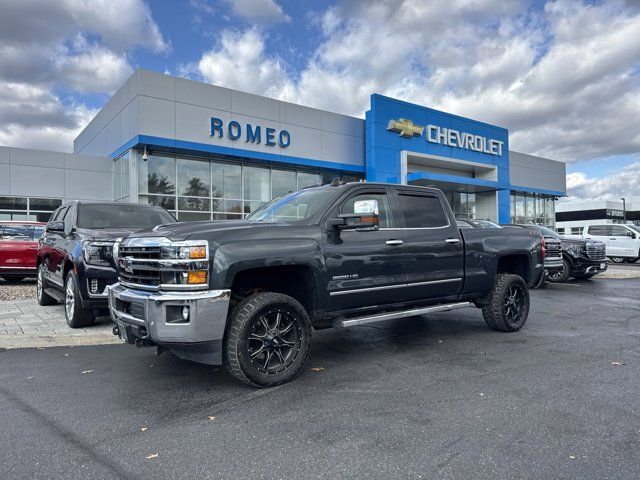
(365, 268)
(433, 246)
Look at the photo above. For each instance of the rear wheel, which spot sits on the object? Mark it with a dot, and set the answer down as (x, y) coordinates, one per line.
(617, 259)
(561, 275)
(632, 260)
(75, 315)
(41, 283)
(508, 306)
(268, 339)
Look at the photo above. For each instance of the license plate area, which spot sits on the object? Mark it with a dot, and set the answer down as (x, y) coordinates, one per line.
(603, 265)
(123, 333)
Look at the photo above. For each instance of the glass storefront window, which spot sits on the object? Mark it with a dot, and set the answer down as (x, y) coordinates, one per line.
(193, 178)
(256, 184)
(226, 180)
(308, 179)
(534, 209)
(282, 181)
(157, 175)
(163, 201)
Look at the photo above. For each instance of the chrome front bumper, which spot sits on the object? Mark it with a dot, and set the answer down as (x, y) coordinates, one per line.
(147, 313)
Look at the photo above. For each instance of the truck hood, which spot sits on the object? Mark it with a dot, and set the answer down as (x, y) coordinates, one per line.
(184, 230)
(106, 234)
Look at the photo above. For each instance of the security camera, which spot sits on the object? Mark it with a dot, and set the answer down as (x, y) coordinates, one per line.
(145, 157)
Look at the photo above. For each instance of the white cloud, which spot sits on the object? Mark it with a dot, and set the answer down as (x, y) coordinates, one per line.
(564, 80)
(625, 183)
(239, 61)
(259, 11)
(79, 46)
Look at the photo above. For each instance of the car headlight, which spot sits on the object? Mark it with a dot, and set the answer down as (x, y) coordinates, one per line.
(577, 249)
(98, 253)
(192, 250)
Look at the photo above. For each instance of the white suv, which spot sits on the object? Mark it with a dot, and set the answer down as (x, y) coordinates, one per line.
(623, 240)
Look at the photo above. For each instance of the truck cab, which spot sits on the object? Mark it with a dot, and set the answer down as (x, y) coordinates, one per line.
(622, 240)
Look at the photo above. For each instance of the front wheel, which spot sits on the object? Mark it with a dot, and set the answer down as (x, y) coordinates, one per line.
(41, 283)
(561, 275)
(617, 259)
(268, 339)
(508, 306)
(75, 315)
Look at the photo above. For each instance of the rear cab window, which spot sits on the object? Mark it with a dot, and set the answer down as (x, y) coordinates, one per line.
(16, 232)
(422, 211)
(599, 230)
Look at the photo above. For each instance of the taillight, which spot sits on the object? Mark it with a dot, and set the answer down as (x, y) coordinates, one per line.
(543, 249)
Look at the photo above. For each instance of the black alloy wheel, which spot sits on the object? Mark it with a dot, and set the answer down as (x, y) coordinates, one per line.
(562, 275)
(273, 341)
(268, 339)
(507, 307)
(617, 259)
(514, 304)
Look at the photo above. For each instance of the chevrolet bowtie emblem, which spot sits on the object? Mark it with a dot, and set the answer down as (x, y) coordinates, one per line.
(405, 127)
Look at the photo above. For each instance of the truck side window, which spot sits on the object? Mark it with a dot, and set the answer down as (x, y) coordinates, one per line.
(422, 211)
(600, 230)
(618, 231)
(378, 200)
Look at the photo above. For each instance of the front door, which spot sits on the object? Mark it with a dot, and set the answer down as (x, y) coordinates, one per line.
(365, 268)
(621, 242)
(433, 247)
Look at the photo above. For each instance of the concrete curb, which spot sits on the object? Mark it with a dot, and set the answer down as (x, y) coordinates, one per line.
(635, 273)
(41, 341)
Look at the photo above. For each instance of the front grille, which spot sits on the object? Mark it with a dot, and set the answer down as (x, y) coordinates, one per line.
(597, 252)
(139, 265)
(553, 249)
(159, 264)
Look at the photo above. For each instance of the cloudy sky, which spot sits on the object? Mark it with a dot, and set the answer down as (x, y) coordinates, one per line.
(563, 76)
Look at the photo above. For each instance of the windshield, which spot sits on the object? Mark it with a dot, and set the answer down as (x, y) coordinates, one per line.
(121, 216)
(548, 232)
(486, 224)
(293, 207)
(634, 227)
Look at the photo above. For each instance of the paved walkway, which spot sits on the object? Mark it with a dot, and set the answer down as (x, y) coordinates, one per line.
(24, 323)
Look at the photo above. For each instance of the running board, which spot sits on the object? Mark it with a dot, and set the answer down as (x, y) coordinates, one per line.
(52, 292)
(351, 322)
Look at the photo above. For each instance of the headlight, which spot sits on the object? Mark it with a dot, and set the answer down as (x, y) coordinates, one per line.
(577, 249)
(98, 253)
(189, 250)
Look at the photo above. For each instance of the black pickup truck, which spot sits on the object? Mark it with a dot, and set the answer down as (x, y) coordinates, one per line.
(75, 255)
(248, 293)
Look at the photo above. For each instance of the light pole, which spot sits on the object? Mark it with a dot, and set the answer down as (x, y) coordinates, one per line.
(624, 209)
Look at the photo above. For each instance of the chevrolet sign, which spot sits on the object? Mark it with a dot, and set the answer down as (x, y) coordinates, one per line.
(447, 136)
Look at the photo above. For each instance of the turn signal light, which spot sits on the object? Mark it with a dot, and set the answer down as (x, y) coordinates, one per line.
(197, 277)
(198, 252)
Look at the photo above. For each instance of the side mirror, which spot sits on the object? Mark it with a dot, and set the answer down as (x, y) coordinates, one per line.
(356, 221)
(632, 235)
(55, 227)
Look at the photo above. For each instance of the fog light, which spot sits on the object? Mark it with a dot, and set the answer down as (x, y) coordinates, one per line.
(185, 313)
(197, 277)
(94, 285)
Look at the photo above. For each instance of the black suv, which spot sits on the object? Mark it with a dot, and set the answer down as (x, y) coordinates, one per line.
(75, 262)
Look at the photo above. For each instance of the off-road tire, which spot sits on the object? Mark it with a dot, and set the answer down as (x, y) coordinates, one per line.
(563, 276)
(43, 297)
(617, 259)
(75, 315)
(237, 353)
(495, 311)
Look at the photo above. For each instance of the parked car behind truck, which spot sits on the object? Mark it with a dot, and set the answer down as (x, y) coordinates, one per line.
(622, 240)
(75, 255)
(18, 249)
(249, 293)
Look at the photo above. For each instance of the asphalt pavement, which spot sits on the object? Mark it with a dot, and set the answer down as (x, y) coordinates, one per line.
(440, 396)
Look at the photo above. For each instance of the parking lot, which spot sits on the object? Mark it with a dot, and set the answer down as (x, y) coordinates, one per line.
(426, 397)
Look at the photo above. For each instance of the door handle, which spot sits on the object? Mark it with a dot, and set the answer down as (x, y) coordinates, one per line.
(452, 240)
(613, 239)
(394, 242)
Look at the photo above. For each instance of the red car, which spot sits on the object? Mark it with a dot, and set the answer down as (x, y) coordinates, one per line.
(19, 248)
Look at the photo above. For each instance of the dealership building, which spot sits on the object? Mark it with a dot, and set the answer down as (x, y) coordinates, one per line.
(208, 152)
(572, 217)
